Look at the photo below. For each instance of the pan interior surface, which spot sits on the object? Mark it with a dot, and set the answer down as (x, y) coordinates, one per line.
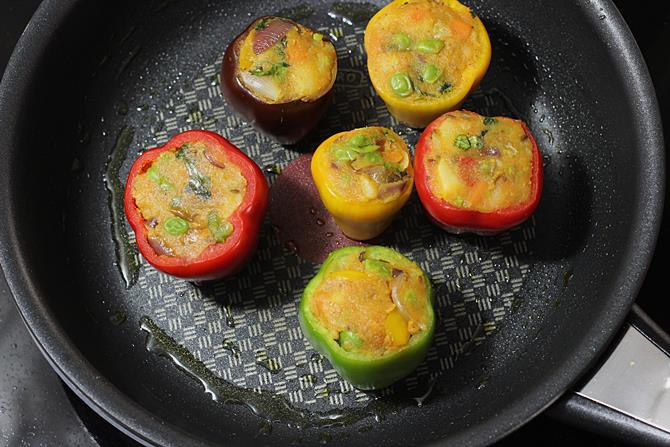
(519, 314)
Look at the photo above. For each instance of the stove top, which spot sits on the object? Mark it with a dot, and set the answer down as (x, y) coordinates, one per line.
(37, 409)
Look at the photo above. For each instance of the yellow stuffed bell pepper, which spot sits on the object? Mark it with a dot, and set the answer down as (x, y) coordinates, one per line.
(364, 177)
(425, 57)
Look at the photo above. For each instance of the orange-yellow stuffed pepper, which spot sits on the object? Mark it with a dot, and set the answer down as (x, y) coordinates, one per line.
(364, 177)
(425, 57)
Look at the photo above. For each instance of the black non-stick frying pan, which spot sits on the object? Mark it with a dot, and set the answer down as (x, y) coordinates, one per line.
(521, 315)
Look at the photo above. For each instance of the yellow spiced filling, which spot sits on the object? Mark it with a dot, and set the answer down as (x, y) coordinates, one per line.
(186, 198)
(282, 61)
(479, 163)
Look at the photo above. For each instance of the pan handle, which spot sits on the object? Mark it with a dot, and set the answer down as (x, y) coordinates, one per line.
(627, 396)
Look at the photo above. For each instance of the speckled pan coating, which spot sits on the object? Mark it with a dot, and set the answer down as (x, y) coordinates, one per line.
(520, 316)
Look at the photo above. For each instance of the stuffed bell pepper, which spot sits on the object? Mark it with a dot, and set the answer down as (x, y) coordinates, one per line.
(364, 177)
(369, 311)
(478, 174)
(425, 57)
(196, 206)
(279, 75)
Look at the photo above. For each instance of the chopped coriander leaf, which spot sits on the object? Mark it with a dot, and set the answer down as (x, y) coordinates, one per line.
(462, 142)
(488, 120)
(262, 23)
(466, 142)
(277, 69)
(181, 152)
(446, 87)
(281, 48)
(198, 183)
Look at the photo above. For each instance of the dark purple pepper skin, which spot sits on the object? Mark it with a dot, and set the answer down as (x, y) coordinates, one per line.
(288, 122)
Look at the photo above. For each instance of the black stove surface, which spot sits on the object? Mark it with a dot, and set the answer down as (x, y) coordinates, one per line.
(37, 409)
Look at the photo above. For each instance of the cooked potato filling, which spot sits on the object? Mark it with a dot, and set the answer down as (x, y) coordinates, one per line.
(421, 49)
(282, 61)
(186, 197)
(372, 305)
(480, 163)
(370, 163)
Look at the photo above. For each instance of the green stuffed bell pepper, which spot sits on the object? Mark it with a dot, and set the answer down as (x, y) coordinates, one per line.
(369, 310)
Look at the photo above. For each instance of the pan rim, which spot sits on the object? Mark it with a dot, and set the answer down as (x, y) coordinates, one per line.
(127, 415)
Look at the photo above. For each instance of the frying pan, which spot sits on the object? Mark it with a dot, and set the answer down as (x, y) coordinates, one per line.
(522, 315)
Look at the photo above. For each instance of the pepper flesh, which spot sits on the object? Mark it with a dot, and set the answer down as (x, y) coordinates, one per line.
(218, 259)
(441, 40)
(366, 370)
(364, 213)
(483, 218)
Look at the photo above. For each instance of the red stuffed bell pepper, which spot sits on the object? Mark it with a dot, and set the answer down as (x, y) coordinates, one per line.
(478, 174)
(196, 206)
